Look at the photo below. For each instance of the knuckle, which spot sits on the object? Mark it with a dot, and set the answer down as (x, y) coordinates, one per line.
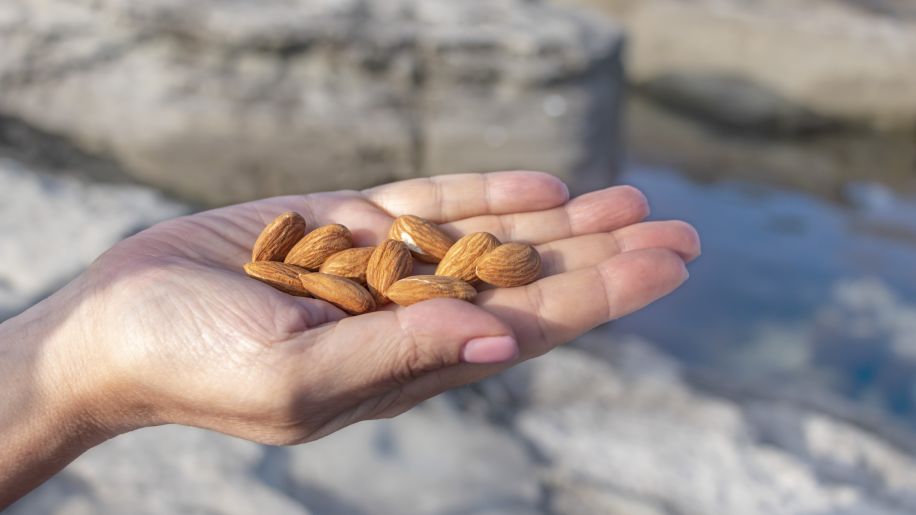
(413, 361)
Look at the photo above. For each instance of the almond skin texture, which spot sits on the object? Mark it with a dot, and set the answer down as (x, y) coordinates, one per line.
(311, 251)
(510, 265)
(389, 263)
(426, 240)
(280, 235)
(418, 288)
(350, 263)
(461, 260)
(345, 294)
(279, 275)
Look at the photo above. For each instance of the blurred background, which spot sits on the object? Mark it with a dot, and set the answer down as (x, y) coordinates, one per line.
(780, 379)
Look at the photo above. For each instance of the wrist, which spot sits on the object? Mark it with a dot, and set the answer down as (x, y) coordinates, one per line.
(51, 378)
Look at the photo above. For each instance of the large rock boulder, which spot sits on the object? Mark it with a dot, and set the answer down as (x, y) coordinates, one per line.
(633, 438)
(221, 102)
(774, 65)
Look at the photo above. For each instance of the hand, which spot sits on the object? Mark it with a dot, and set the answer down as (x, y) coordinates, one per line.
(172, 331)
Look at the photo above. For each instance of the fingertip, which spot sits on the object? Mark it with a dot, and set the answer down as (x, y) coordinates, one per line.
(675, 235)
(637, 200)
(607, 210)
(538, 190)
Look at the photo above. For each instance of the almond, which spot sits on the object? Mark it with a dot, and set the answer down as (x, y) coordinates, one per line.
(509, 265)
(389, 263)
(345, 294)
(418, 288)
(279, 275)
(316, 246)
(425, 239)
(278, 237)
(350, 263)
(461, 260)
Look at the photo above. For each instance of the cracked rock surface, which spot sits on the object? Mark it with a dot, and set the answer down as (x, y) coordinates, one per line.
(224, 101)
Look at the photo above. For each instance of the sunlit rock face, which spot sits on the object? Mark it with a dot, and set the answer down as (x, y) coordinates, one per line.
(219, 102)
(772, 65)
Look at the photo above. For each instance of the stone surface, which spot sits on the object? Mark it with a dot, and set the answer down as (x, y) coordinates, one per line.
(164, 470)
(774, 65)
(55, 226)
(221, 103)
(432, 460)
(636, 431)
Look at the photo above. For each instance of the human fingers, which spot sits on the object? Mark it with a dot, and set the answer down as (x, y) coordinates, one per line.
(445, 198)
(584, 251)
(598, 211)
(556, 309)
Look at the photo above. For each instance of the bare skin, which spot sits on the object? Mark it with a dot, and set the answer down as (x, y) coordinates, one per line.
(164, 328)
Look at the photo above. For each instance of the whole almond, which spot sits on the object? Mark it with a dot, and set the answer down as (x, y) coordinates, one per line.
(345, 294)
(349, 263)
(389, 263)
(418, 288)
(316, 246)
(425, 239)
(461, 260)
(278, 237)
(279, 275)
(509, 265)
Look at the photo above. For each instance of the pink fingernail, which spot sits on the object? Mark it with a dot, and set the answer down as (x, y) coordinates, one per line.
(490, 349)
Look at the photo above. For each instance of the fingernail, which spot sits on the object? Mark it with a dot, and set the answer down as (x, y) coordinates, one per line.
(490, 349)
(565, 190)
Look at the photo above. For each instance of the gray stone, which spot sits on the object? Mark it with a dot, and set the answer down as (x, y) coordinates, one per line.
(839, 61)
(431, 460)
(650, 440)
(40, 214)
(159, 471)
(223, 102)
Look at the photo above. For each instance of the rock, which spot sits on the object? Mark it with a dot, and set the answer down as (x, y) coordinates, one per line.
(646, 439)
(41, 214)
(774, 65)
(159, 471)
(221, 104)
(432, 460)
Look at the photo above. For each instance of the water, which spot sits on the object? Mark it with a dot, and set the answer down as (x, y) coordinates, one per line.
(792, 289)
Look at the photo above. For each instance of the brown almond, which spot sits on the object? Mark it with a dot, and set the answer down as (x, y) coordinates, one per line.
(345, 294)
(461, 260)
(418, 288)
(316, 246)
(279, 237)
(349, 263)
(510, 265)
(426, 240)
(279, 275)
(389, 263)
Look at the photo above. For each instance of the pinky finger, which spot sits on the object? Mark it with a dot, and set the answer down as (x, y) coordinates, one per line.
(556, 309)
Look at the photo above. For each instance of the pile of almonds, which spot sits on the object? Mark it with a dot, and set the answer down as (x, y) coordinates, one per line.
(323, 263)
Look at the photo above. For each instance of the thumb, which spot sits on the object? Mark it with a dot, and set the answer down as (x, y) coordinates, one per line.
(390, 348)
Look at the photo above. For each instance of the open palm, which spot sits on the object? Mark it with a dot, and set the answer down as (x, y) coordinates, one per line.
(188, 338)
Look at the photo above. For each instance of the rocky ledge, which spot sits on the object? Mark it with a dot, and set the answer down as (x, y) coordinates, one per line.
(772, 65)
(222, 102)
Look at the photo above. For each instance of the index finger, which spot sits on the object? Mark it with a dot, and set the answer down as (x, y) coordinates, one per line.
(445, 198)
